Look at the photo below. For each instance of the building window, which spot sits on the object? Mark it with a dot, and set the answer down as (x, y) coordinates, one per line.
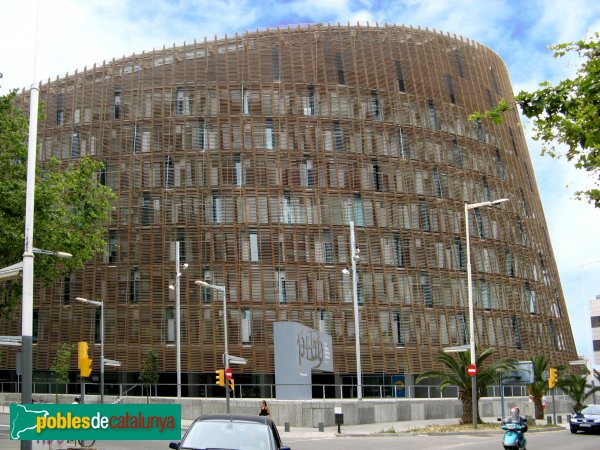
(245, 101)
(521, 233)
(201, 134)
(509, 264)
(287, 207)
(246, 326)
(437, 183)
(112, 246)
(375, 105)
(479, 223)
(269, 135)
(207, 294)
(309, 108)
(253, 240)
(339, 66)
(530, 299)
(459, 253)
(337, 134)
(516, 332)
(181, 240)
(170, 314)
(399, 77)
(490, 99)
(327, 247)
(36, 325)
(306, 173)
(398, 250)
(75, 145)
(137, 139)
(423, 215)
(281, 287)
(462, 328)
(216, 209)
(431, 114)
(524, 204)
(376, 175)
(595, 321)
(237, 168)
(458, 60)
(146, 208)
(450, 89)
(181, 102)
(398, 332)
(134, 278)
(276, 64)
(60, 115)
(323, 325)
(98, 326)
(487, 195)
(426, 288)
(169, 173)
(102, 174)
(404, 150)
(479, 131)
(457, 154)
(117, 104)
(484, 292)
(67, 290)
(359, 214)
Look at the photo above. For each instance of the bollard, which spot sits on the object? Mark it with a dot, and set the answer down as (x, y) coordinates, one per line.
(321, 426)
(568, 417)
(549, 420)
(558, 419)
(287, 427)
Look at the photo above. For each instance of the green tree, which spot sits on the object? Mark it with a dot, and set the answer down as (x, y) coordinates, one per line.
(539, 387)
(71, 208)
(61, 366)
(568, 114)
(577, 388)
(149, 374)
(456, 375)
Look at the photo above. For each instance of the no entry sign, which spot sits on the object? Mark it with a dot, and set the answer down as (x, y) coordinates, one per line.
(471, 370)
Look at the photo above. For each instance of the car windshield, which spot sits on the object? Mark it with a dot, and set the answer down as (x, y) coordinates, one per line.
(594, 409)
(224, 434)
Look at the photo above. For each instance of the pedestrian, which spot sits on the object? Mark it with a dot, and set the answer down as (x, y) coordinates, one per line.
(264, 409)
(77, 400)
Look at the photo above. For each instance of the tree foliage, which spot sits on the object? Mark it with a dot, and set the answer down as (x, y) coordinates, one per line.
(70, 213)
(566, 115)
(578, 389)
(539, 387)
(456, 375)
(149, 373)
(62, 364)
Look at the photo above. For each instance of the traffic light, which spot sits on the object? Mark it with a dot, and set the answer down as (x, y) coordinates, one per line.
(220, 377)
(552, 378)
(84, 361)
(230, 384)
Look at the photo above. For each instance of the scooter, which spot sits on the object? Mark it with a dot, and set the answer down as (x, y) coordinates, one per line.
(511, 439)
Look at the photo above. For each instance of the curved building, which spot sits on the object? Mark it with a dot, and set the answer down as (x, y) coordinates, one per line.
(255, 153)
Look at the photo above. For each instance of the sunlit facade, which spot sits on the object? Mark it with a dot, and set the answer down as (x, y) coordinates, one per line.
(255, 151)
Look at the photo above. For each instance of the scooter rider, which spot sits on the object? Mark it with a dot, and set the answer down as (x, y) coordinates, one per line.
(515, 417)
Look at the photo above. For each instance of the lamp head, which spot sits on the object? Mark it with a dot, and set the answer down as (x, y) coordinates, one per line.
(345, 271)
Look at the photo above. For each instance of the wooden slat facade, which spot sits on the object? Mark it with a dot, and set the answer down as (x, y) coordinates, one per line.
(255, 151)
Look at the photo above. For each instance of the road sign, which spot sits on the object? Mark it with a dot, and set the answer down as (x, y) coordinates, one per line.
(228, 374)
(471, 370)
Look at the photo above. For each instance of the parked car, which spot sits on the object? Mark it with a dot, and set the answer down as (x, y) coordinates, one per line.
(231, 431)
(586, 420)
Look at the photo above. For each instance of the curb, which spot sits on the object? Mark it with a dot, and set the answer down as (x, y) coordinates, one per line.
(439, 433)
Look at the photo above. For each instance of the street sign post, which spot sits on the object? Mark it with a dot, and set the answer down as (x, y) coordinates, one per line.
(471, 370)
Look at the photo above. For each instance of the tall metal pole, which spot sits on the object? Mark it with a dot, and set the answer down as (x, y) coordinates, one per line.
(471, 318)
(102, 353)
(226, 355)
(27, 306)
(178, 318)
(353, 258)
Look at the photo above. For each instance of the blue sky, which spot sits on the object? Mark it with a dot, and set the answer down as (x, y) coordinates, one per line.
(73, 34)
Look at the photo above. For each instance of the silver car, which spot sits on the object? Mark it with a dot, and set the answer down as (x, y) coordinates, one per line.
(231, 432)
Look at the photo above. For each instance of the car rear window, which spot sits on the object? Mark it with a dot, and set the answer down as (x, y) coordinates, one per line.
(227, 434)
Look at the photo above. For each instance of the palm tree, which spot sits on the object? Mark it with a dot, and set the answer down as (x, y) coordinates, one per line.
(577, 387)
(456, 375)
(539, 387)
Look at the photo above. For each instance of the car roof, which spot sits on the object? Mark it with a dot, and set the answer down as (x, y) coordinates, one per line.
(236, 417)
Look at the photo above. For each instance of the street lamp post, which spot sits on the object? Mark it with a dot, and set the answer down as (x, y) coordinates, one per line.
(470, 301)
(101, 305)
(177, 287)
(226, 354)
(354, 258)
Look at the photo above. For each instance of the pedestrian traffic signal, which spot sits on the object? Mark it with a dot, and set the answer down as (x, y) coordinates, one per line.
(230, 384)
(552, 378)
(84, 362)
(220, 378)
